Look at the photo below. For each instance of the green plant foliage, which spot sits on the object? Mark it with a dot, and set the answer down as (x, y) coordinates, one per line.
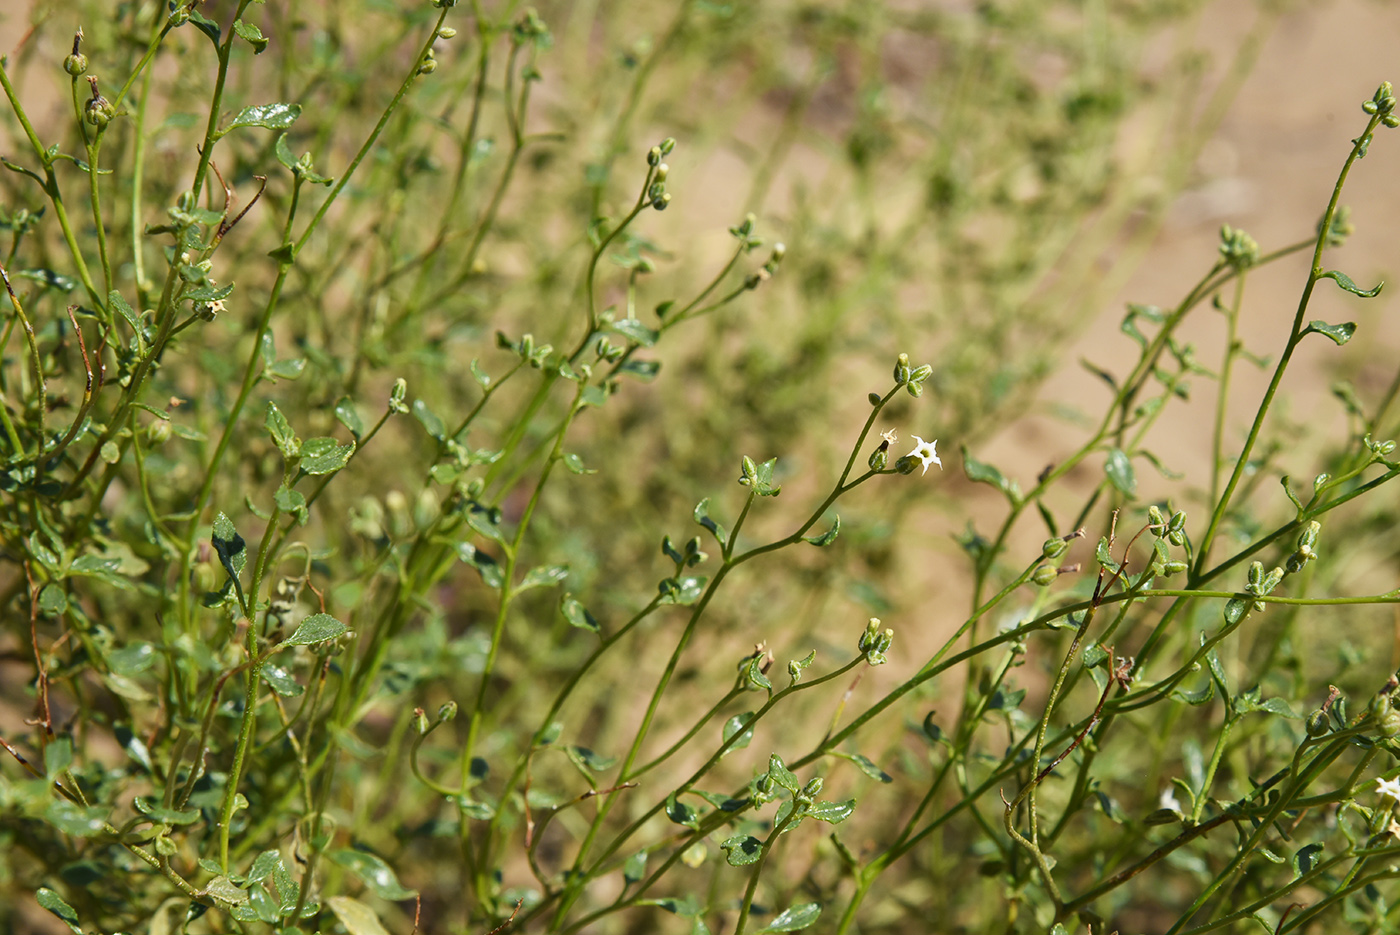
(333, 462)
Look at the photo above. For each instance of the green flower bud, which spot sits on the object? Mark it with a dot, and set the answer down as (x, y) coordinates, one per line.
(447, 712)
(1154, 516)
(447, 32)
(158, 432)
(661, 202)
(1045, 575)
(812, 789)
(667, 145)
(76, 64)
(1053, 548)
(654, 156)
(873, 398)
(1256, 577)
(1172, 568)
(902, 370)
(879, 457)
(1317, 724)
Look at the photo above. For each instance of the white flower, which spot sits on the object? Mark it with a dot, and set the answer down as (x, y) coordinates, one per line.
(1390, 787)
(927, 452)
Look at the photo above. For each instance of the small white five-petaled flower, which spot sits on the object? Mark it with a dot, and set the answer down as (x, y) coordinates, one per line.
(927, 452)
(1390, 787)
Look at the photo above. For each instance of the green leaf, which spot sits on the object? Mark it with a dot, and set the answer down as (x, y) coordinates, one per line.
(587, 762)
(280, 681)
(143, 334)
(154, 810)
(430, 421)
(543, 576)
(1306, 858)
(487, 566)
(281, 431)
(264, 865)
(981, 473)
(1120, 472)
(208, 293)
(324, 455)
(58, 756)
(832, 812)
(251, 34)
(794, 919)
(742, 850)
(681, 813)
(866, 766)
(634, 869)
(47, 277)
(575, 464)
(267, 116)
(577, 614)
(1338, 334)
(316, 629)
(644, 370)
(702, 516)
(634, 330)
(349, 417)
(781, 775)
(292, 502)
(54, 903)
(1196, 698)
(357, 918)
(229, 546)
(827, 537)
(754, 676)
(479, 375)
(1343, 280)
(286, 369)
(76, 820)
(683, 591)
(733, 726)
(375, 873)
(205, 25)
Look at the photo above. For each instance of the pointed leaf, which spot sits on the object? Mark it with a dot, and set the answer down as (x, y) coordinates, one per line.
(1120, 472)
(316, 629)
(742, 850)
(54, 903)
(827, 537)
(635, 331)
(1338, 334)
(1343, 280)
(577, 614)
(229, 546)
(324, 455)
(543, 576)
(866, 766)
(357, 918)
(733, 726)
(267, 116)
(375, 873)
(794, 919)
(832, 812)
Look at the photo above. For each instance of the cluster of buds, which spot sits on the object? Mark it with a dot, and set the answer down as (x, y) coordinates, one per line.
(1237, 248)
(1260, 583)
(1304, 553)
(912, 379)
(656, 194)
(1383, 103)
(874, 642)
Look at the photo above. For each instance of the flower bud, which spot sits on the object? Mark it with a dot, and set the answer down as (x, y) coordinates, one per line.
(667, 145)
(158, 432)
(662, 201)
(447, 32)
(448, 711)
(654, 156)
(1045, 575)
(76, 64)
(1053, 547)
(1317, 724)
(879, 457)
(902, 370)
(812, 789)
